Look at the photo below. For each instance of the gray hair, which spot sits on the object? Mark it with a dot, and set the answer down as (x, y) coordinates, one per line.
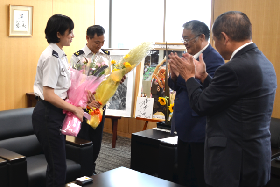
(198, 27)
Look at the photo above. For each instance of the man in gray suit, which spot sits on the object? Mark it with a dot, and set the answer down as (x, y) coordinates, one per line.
(238, 102)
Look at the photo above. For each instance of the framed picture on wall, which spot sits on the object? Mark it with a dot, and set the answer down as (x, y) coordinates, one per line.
(20, 20)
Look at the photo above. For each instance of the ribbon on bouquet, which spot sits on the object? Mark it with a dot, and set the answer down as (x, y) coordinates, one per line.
(71, 124)
(96, 116)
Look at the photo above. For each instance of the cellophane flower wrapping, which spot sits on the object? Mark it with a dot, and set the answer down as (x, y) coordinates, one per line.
(82, 80)
(108, 87)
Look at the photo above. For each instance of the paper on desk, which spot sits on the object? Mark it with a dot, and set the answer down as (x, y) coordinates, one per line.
(73, 185)
(170, 140)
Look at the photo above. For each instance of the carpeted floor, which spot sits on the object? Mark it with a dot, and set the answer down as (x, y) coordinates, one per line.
(110, 158)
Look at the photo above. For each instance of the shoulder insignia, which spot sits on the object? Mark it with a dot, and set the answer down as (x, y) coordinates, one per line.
(55, 54)
(78, 53)
(106, 52)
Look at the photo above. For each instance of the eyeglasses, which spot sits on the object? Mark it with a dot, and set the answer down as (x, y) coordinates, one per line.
(184, 40)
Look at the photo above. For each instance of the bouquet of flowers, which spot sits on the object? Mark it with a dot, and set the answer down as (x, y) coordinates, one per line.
(108, 87)
(86, 75)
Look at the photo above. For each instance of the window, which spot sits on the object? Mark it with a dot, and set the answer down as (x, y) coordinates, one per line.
(179, 12)
(134, 21)
(102, 18)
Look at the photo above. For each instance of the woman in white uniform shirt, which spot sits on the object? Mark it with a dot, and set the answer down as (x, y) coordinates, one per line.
(51, 84)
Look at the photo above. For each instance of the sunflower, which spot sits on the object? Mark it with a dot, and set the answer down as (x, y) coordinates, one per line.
(162, 100)
(171, 107)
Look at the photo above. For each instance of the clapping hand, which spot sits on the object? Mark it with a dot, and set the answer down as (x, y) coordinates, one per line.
(173, 72)
(185, 66)
(200, 68)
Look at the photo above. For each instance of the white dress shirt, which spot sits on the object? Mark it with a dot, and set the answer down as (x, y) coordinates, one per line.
(199, 52)
(238, 49)
(52, 71)
(99, 57)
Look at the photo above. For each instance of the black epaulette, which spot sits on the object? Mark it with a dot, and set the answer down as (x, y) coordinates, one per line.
(106, 52)
(55, 54)
(78, 53)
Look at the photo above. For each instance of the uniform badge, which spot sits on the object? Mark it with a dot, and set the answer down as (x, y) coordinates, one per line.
(55, 54)
(106, 52)
(78, 53)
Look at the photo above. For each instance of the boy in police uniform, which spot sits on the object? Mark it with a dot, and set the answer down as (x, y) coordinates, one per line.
(95, 40)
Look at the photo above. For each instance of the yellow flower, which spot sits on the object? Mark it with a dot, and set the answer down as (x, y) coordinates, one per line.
(127, 64)
(171, 107)
(113, 62)
(115, 69)
(90, 112)
(127, 56)
(162, 100)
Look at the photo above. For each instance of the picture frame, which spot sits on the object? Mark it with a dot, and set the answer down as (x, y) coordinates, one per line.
(121, 104)
(20, 20)
(154, 76)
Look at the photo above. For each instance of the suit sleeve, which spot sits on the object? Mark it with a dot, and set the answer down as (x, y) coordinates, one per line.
(221, 92)
(171, 84)
(213, 65)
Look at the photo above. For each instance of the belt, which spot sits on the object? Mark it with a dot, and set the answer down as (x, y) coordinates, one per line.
(39, 98)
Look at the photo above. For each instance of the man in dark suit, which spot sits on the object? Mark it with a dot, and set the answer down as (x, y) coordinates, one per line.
(238, 103)
(189, 126)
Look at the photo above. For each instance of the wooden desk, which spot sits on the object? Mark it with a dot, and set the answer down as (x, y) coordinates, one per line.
(114, 129)
(124, 177)
(147, 121)
(31, 100)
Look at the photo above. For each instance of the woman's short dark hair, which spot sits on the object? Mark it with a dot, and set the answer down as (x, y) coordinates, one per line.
(235, 24)
(197, 27)
(95, 29)
(57, 23)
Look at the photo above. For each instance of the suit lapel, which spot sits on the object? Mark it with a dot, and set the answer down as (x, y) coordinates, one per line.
(207, 50)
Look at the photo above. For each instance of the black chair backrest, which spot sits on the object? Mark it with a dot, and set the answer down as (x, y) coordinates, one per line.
(16, 132)
(275, 132)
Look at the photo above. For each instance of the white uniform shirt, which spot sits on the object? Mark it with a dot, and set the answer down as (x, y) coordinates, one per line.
(87, 53)
(52, 71)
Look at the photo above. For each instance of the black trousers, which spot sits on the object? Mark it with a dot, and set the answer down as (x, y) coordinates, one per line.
(94, 135)
(190, 163)
(47, 121)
